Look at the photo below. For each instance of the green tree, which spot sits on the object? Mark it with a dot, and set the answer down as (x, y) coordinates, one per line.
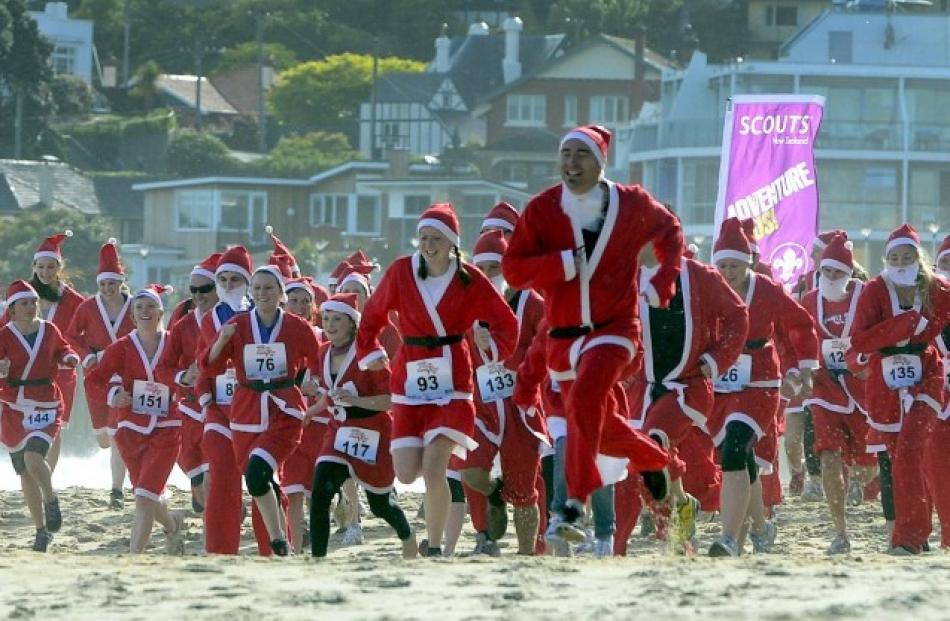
(145, 87)
(324, 93)
(193, 154)
(20, 236)
(303, 156)
(71, 96)
(279, 56)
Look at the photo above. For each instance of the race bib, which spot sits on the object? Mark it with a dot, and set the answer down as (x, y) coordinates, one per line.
(224, 387)
(495, 382)
(265, 362)
(149, 398)
(429, 379)
(356, 442)
(38, 419)
(833, 351)
(737, 377)
(902, 371)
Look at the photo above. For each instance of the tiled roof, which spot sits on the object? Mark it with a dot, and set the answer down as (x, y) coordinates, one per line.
(183, 89)
(20, 187)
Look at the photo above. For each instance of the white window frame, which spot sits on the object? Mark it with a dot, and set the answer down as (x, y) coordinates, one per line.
(65, 54)
(570, 110)
(180, 195)
(251, 196)
(319, 201)
(519, 103)
(215, 211)
(619, 106)
(354, 214)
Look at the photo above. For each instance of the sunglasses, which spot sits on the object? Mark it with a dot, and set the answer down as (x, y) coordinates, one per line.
(202, 289)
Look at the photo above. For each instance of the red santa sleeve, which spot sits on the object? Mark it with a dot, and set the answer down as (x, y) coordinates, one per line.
(111, 363)
(63, 351)
(527, 264)
(532, 371)
(664, 230)
(75, 334)
(375, 317)
(731, 315)
(219, 366)
(492, 309)
(167, 370)
(873, 330)
(797, 324)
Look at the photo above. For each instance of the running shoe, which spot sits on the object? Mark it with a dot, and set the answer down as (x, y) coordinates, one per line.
(42, 540)
(116, 499)
(902, 551)
(280, 547)
(684, 525)
(604, 548)
(855, 494)
(724, 546)
(839, 545)
(485, 546)
(54, 517)
(568, 526)
(813, 491)
(353, 535)
(763, 542)
(497, 513)
(797, 484)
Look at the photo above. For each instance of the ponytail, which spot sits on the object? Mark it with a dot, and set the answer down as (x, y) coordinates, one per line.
(462, 271)
(925, 281)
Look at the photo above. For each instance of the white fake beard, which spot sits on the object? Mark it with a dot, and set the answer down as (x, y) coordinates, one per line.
(834, 290)
(903, 276)
(585, 209)
(498, 282)
(235, 298)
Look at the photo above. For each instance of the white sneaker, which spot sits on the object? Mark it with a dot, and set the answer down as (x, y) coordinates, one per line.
(813, 491)
(559, 546)
(763, 542)
(855, 494)
(724, 546)
(353, 535)
(604, 548)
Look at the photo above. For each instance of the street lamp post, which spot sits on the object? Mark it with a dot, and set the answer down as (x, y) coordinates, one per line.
(866, 234)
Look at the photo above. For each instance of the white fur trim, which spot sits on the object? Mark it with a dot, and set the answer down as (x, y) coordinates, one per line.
(87, 361)
(611, 469)
(570, 269)
(653, 298)
(372, 357)
(875, 448)
(711, 362)
(720, 255)
(266, 456)
(148, 293)
(405, 442)
(144, 493)
(200, 271)
(838, 265)
(358, 279)
(233, 267)
(339, 307)
(921, 326)
(48, 254)
(112, 394)
(199, 470)
(809, 364)
(110, 276)
(463, 443)
(274, 271)
(219, 428)
(489, 223)
(890, 427)
(583, 137)
(69, 357)
(900, 241)
(484, 257)
(441, 227)
(22, 295)
(765, 466)
(741, 417)
(927, 399)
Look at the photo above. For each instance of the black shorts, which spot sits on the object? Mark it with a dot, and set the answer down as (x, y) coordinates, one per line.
(33, 445)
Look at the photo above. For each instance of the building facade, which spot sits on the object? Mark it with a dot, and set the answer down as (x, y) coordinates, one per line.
(71, 38)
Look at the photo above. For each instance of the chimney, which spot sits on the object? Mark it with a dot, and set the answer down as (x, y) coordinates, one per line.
(442, 47)
(57, 10)
(511, 65)
(478, 29)
(46, 181)
(399, 160)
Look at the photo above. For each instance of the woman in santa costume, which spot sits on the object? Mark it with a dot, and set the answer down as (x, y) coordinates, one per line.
(437, 298)
(178, 368)
(502, 217)
(747, 394)
(700, 334)
(937, 482)
(357, 443)
(899, 315)
(148, 431)
(98, 322)
(359, 257)
(837, 400)
(268, 348)
(31, 352)
(224, 507)
(514, 435)
(58, 303)
(576, 244)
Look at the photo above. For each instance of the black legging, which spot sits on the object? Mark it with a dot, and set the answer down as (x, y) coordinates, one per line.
(887, 486)
(812, 459)
(327, 481)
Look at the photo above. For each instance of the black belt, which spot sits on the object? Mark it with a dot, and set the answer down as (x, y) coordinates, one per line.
(353, 412)
(573, 332)
(260, 386)
(756, 344)
(912, 348)
(43, 381)
(432, 341)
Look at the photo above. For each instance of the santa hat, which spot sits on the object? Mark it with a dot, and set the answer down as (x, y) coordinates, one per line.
(838, 254)
(284, 264)
(342, 303)
(691, 251)
(236, 259)
(905, 234)
(274, 271)
(20, 290)
(491, 246)
(281, 249)
(359, 274)
(110, 268)
(824, 238)
(156, 293)
(343, 266)
(732, 243)
(502, 216)
(748, 227)
(50, 246)
(207, 267)
(442, 218)
(301, 284)
(596, 137)
(944, 248)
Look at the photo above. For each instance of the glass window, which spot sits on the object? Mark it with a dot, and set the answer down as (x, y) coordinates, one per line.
(368, 215)
(415, 204)
(330, 210)
(525, 109)
(242, 212)
(786, 16)
(859, 192)
(700, 189)
(193, 210)
(609, 109)
(63, 59)
(570, 110)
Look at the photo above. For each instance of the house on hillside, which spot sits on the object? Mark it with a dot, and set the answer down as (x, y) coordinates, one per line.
(73, 49)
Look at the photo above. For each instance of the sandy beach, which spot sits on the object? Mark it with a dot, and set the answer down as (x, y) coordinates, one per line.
(88, 574)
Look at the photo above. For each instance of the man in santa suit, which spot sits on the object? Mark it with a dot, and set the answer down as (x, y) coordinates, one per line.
(699, 335)
(576, 244)
(748, 227)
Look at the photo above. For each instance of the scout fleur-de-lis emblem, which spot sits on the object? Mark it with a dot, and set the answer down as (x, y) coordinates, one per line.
(788, 264)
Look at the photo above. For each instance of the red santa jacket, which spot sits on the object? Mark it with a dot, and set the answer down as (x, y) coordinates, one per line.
(716, 326)
(880, 324)
(90, 331)
(943, 344)
(181, 351)
(39, 361)
(251, 410)
(835, 391)
(535, 392)
(127, 360)
(402, 290)
(540, 256)
(362, 383)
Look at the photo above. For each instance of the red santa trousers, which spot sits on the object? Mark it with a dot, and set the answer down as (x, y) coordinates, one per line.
(938, 475)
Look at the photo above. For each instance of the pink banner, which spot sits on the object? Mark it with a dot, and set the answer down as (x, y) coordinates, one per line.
(768, 174)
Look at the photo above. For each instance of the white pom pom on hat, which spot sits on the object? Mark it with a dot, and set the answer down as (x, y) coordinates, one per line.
(268, 229)
(68, 233)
